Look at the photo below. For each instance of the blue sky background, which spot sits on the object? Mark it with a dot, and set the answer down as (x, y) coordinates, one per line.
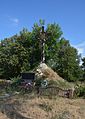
(69, 14)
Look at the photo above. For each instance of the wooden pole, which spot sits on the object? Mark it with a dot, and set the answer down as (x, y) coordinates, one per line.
(42, 45)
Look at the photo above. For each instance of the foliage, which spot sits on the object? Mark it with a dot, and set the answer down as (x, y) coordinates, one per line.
(80, 91)
(59, 83)
(16, 80)
(13, 56)
(15, 83)
(22, 52)
(66, 61)
(83, 69)
(38, 82)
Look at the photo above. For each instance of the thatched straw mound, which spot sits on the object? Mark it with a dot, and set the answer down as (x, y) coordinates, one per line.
(44, 71)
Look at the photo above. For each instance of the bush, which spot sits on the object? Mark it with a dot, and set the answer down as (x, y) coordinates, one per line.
(38, 82)
(80, 91)
(16, 80)
(59, 83)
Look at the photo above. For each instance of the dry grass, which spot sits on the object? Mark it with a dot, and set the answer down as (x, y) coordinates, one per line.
(3, 116)
(60, 107)
(44, 108)
(46, 72)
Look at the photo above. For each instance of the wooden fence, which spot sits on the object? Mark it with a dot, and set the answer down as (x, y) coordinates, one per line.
(68, 93)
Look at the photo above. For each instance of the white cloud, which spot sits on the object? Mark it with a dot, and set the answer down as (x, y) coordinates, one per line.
(14, 20)
(81, 48)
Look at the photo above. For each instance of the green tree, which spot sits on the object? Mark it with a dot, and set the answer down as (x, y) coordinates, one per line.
(83, 68)
(53, 34)
(66, 61)
(23, 52)
(14, 56)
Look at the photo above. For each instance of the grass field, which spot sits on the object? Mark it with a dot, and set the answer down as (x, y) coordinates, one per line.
(35, 107)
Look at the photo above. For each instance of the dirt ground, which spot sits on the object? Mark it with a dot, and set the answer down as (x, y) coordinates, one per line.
(3, 116)
(42, 108)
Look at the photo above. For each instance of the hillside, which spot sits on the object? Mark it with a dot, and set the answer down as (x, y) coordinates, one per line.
(35, 106)
(45, 72)
(26, 107)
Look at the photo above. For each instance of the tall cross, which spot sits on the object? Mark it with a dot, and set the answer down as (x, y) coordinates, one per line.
(42, 40)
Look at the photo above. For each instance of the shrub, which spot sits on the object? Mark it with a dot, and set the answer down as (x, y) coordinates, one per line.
(16, 80)
(80, 91)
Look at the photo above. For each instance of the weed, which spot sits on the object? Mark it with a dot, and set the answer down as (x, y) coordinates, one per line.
(45, 107)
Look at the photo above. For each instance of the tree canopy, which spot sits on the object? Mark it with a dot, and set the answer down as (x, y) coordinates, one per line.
(21, 53)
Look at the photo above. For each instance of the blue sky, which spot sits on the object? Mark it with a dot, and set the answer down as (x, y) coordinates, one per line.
(69, 14)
